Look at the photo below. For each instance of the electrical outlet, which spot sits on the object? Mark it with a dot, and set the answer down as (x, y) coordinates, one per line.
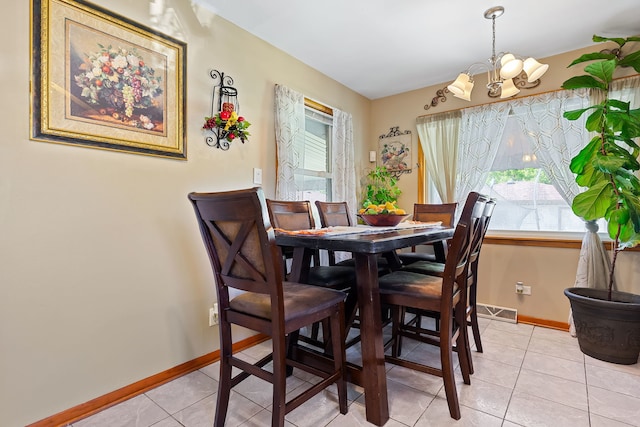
(521, 289)
(213, 315)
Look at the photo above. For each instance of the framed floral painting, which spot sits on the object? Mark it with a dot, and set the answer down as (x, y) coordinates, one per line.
(101, 80)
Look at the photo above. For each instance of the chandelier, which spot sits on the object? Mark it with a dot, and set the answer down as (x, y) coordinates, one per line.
(502, 69)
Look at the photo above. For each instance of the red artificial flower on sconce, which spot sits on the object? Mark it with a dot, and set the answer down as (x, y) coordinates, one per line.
(230, 125)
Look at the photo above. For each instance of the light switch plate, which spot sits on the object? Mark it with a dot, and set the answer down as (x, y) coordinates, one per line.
(257, 176)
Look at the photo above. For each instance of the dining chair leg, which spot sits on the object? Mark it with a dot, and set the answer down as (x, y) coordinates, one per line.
(462, 343)
(224, 382)
(338, 324)
(279, 381)
(315, 330)
(291, 343)
(446, 360)
(476, 331)
(397, 318)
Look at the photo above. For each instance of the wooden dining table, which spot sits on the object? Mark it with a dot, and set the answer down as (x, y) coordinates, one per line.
(366, 244)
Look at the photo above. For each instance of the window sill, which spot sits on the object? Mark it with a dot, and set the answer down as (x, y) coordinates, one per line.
(547, 239)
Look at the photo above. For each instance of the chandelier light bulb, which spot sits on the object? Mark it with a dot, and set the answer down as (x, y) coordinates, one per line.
(534, 69)
(457, 88)
(508, 89)
(510, 66)
(466, 95)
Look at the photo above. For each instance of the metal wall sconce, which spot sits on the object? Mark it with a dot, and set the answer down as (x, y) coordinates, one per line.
(224, 123)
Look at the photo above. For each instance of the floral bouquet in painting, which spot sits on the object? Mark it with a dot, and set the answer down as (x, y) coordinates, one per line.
(231, 125)
(117, 81)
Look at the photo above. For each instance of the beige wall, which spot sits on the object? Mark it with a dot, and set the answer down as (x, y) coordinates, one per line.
(103, 275)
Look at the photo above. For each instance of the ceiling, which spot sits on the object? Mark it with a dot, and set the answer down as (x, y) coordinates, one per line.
(384, 47)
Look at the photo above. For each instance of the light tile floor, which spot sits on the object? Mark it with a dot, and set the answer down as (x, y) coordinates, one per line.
(527, 376)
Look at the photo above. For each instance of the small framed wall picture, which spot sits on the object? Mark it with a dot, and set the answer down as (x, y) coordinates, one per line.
(395, 151)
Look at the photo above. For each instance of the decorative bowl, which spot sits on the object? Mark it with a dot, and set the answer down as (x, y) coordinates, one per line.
(383, 220)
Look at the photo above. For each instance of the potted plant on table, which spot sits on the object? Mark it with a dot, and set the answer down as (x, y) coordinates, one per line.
(607, 321)
(380, 198)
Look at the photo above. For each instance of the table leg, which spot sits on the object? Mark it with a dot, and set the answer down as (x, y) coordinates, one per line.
(440, 251)
(300, 265)
(373, 369)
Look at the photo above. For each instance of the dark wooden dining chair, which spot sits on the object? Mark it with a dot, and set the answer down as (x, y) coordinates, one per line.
(241, 246)
(443, 212)
(333, 214)
(437, 269)
(445, 295)
(297, 215)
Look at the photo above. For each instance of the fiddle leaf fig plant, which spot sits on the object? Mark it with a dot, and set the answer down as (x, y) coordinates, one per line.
(607, 165)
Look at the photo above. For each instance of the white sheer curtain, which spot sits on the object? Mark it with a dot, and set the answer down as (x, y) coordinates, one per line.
(481, 130)
(290, 134)
(289, 126)
(439, 140)
(343, 161)
(555, 141)
(627, 90)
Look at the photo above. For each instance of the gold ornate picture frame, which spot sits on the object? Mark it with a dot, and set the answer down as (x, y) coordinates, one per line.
(103, 81)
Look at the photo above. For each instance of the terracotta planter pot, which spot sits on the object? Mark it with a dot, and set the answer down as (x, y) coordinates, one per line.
(606, 330)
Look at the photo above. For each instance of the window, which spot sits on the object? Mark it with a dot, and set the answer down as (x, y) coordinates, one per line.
(313, 178)
(527, 199)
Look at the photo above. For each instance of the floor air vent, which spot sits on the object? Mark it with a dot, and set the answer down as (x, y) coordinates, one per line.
(497, 313)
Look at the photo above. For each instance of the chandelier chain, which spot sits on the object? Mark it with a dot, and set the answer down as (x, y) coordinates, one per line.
(493, 52)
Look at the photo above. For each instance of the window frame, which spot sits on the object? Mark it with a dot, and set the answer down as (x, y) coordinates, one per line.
(320, 109)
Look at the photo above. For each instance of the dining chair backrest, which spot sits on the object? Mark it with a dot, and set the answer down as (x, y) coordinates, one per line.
(334, 214)
(240, 244)
(457, 263)
(430, 212)
(444, 212)
(292, 215)
(482, 230)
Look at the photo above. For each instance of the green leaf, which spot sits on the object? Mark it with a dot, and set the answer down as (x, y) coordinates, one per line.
(618, 105)
(575, 114)
(619, 216)
(590, 176)
(609, 163)
(594, 121)
(632, 202)
(592, 57)
(620, 41)
(613, 228)
(585, 155)
(631, 60)
(602, 70)
(594, 202)
(631, 242)
(580, 82)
